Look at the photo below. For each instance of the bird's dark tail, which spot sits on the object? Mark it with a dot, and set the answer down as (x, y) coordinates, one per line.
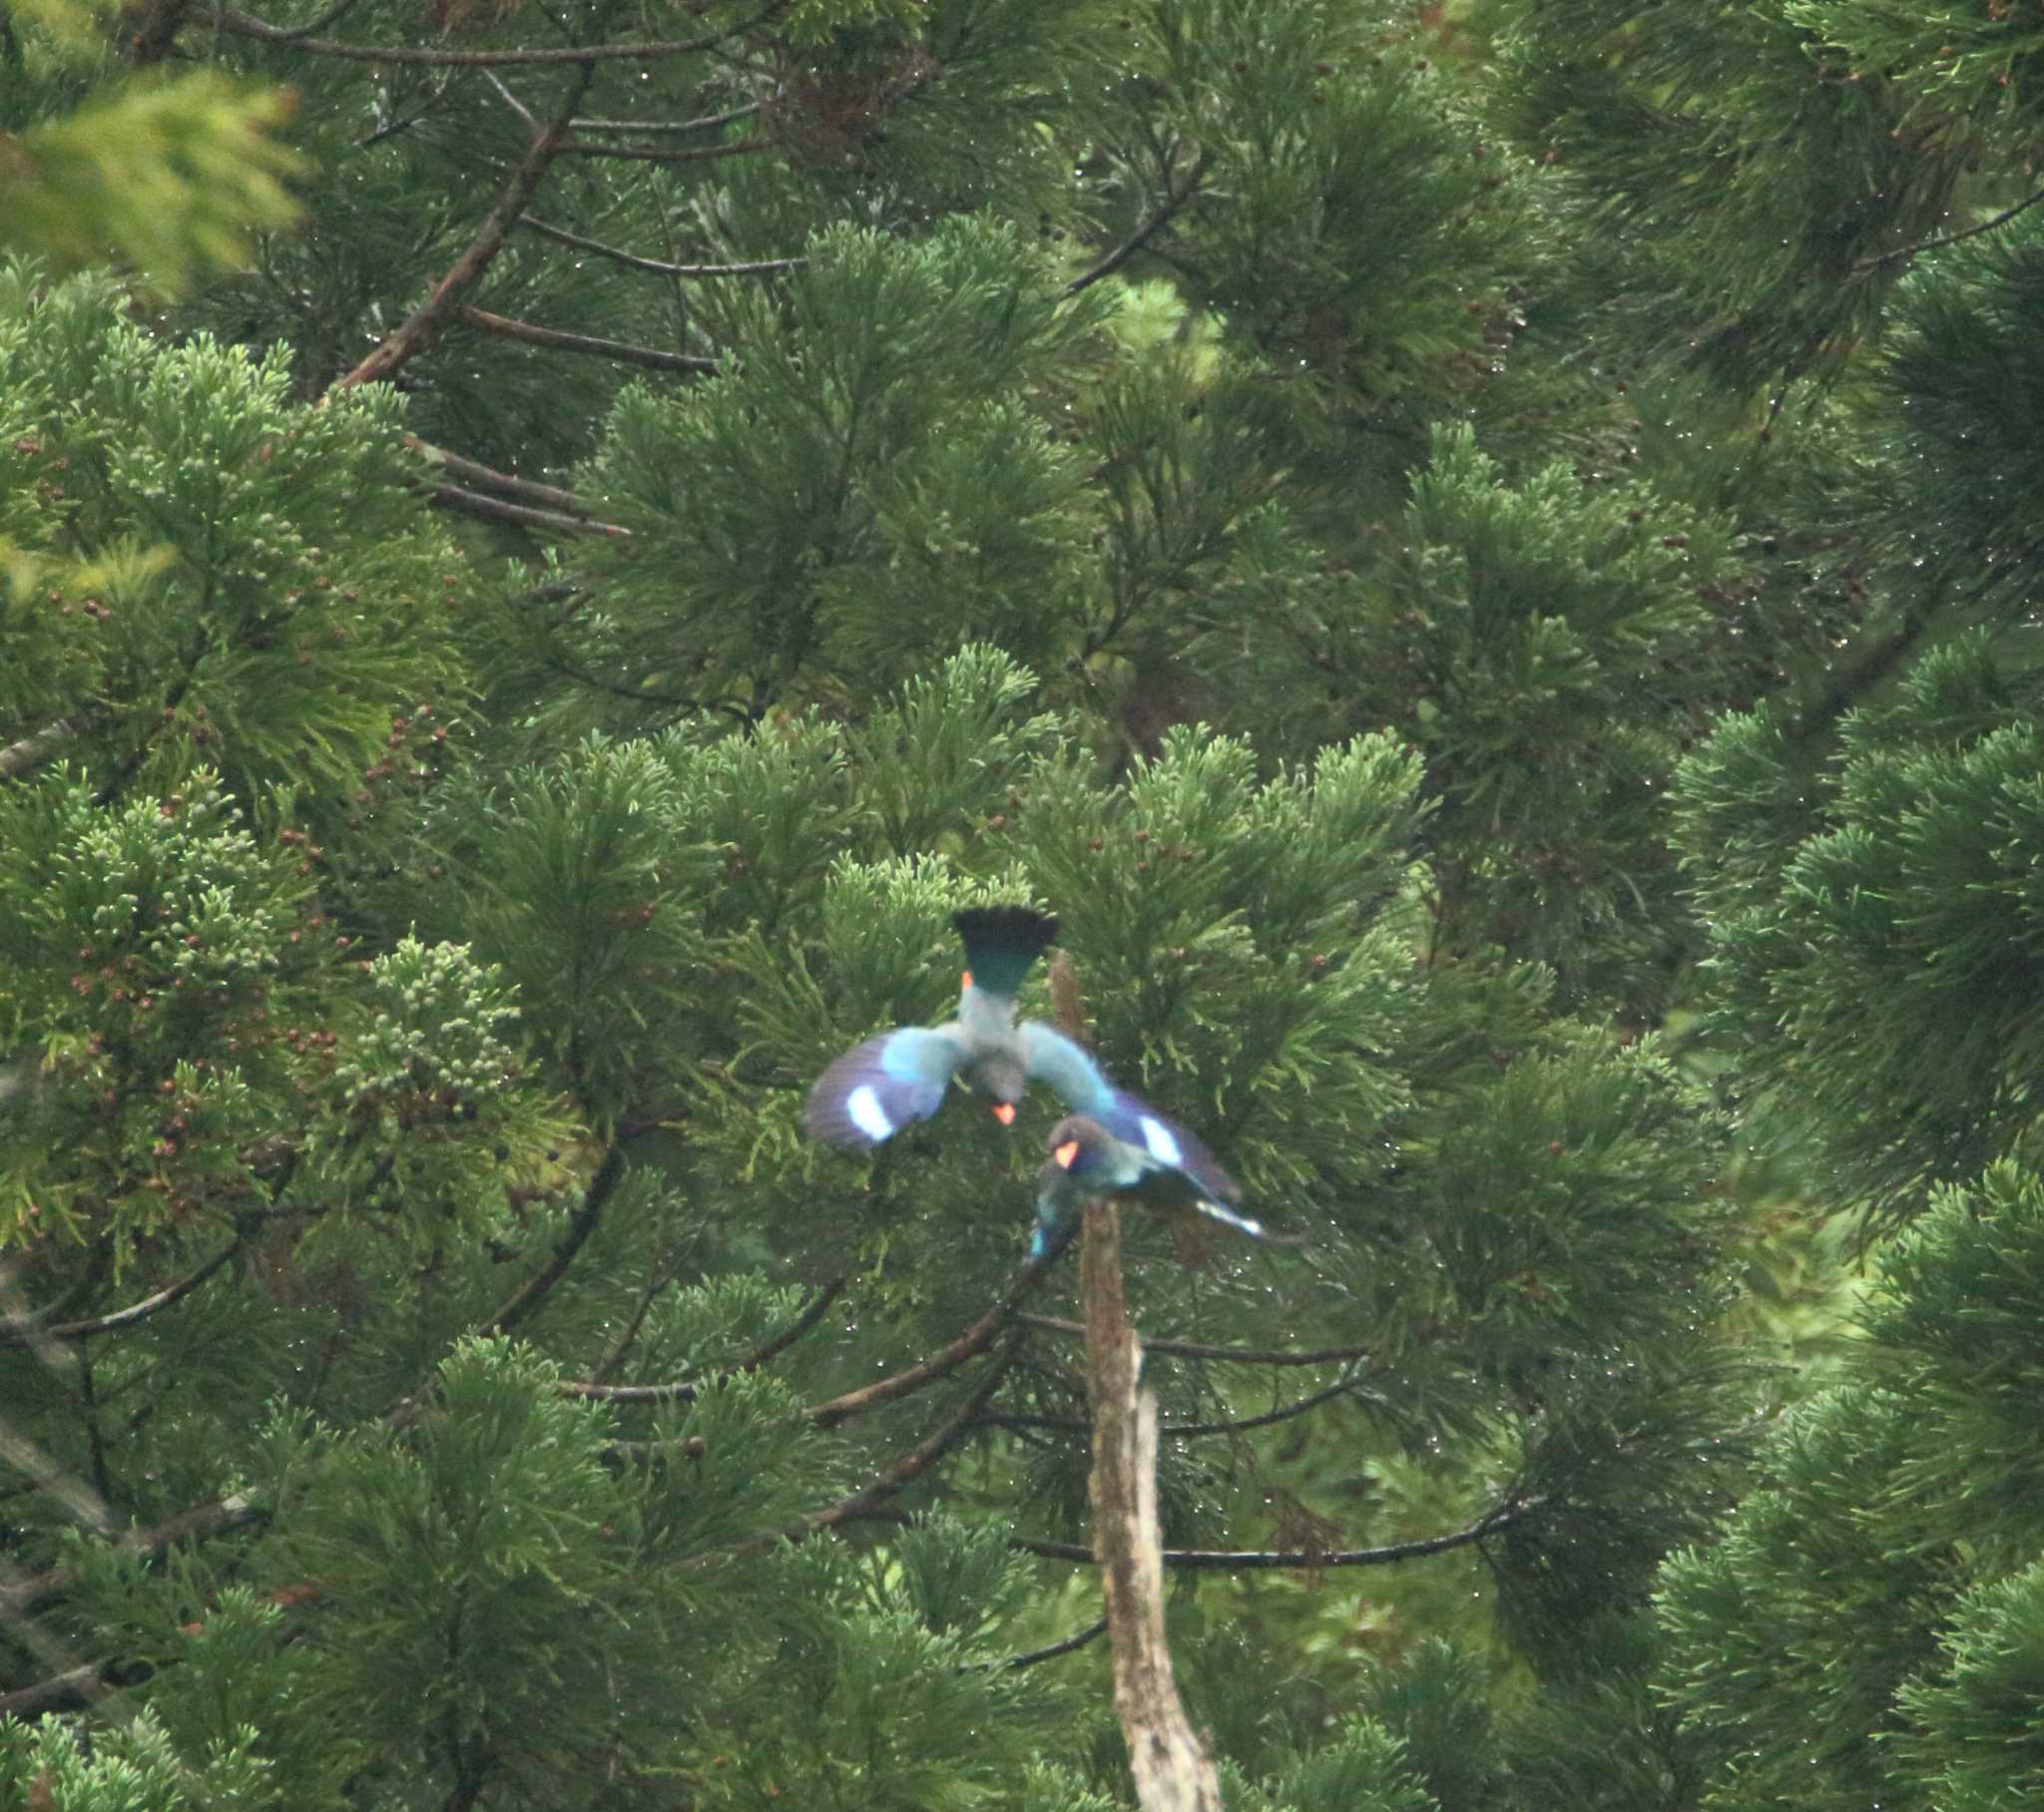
(1002, 943)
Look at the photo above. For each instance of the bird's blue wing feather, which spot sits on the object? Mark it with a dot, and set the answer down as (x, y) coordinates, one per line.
(877, 1087)
(1138, 1123)
(1065, 1069)
(1082, 1085)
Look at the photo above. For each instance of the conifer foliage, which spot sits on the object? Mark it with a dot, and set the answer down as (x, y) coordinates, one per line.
(1476, 556)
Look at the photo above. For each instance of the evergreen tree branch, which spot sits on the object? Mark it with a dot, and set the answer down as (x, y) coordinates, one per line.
(1233, 1355)
(631, 261)
(534, 335)
(1949, 238)
(685, 1390)
(245, 25)
(1167, 211)
(530, 1294)
(36, 748)
(424, 321)
(1492, 1521)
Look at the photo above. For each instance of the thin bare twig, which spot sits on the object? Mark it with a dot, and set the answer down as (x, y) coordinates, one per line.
(1166, 212)
(652, 127)
(686, 1390)
(1049, 1652)
(79, 1685)
(531, 1294)
(12, 1335)
(534, 335)
(244, 24)
(652, 154)
(496, 509)
(631, 261)
(1232, 1355)
(331, 16)
(1950, 238)
(511, 100)
(1491, 1523)
(217, 1518)
(976, 1339)
(926, 1453)
(1190, 1430)
(509, 483)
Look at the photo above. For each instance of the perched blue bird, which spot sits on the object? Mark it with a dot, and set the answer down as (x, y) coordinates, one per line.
(1169, 1169)
(877, 1087)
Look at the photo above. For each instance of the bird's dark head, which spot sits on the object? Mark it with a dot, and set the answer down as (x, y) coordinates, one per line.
(1077, 1144)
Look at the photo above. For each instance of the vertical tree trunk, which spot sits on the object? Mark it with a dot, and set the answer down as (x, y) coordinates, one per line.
(1173, 1771)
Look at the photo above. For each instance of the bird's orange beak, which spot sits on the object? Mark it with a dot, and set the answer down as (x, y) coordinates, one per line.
(1004, 1112)
(1065, 1153)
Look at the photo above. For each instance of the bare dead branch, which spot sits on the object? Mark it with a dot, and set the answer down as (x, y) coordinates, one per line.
(13, 1334)
(497, 509)
(926, 1453)
(331, 16)
(631, 261)
(947, 1359)
(471, 471)
(419, 328)
(220, 1516)
(73, 1686)
(652, 154)
(36, 748)
(534, 335)
(652, 127)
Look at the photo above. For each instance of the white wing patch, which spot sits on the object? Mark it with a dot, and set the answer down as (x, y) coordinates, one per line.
(1228, 1217)
(862, 1107)
(1158, 1140)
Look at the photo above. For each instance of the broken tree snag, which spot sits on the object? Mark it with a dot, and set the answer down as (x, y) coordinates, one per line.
(1173, 1771)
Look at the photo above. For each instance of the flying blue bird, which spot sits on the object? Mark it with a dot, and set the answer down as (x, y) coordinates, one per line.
(1170, 1170)
(877, 1087)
